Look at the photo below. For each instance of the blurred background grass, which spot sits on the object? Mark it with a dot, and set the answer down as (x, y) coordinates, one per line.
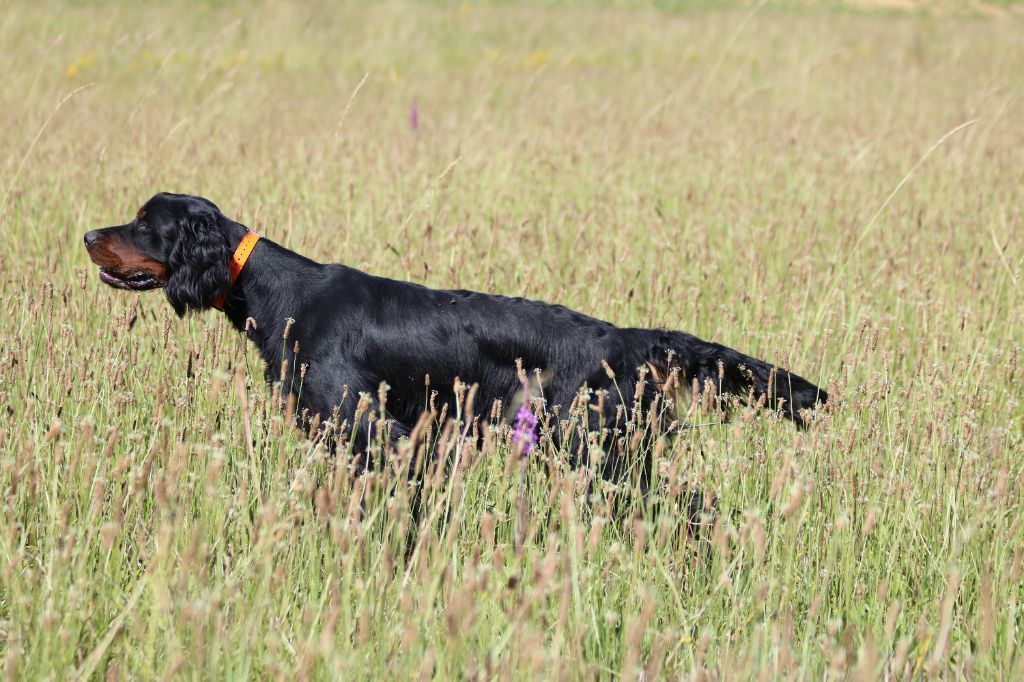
(714, 168)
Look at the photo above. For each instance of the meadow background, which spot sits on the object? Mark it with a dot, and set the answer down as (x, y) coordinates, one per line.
(837, 188)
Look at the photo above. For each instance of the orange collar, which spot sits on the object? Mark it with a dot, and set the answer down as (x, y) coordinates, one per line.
(237, 262)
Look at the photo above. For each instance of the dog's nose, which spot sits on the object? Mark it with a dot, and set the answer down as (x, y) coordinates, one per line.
(92, 237)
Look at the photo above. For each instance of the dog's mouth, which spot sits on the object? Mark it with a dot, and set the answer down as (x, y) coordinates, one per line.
(140, 281)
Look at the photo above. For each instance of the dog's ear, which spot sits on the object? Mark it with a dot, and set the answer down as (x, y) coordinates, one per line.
(198, 270)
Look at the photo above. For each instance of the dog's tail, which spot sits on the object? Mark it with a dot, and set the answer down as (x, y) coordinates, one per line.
(733, 373)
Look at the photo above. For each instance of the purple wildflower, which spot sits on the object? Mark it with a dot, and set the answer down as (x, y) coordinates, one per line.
(525, 434)
(414, 116)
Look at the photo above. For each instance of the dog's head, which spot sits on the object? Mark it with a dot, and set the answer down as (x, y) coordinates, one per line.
(176, 242)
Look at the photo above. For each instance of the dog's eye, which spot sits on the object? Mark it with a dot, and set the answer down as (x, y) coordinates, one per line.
(142, 226)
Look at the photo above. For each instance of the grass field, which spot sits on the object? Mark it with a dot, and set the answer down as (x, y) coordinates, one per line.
(838, 191)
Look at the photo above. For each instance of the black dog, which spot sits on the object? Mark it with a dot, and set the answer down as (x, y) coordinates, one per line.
(356, 330)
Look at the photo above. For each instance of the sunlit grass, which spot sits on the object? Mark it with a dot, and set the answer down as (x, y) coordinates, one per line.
(717, 171)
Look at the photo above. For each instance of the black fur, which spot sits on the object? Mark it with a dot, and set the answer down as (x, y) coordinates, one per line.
(356, 330)
(198, 260)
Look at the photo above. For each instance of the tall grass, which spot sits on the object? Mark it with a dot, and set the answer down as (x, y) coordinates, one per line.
(724, 172)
